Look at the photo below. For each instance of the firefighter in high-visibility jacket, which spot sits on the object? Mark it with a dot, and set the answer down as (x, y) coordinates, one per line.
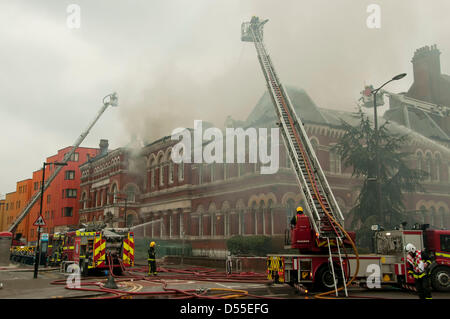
(295, 218)
(152, 259)
(418, 265)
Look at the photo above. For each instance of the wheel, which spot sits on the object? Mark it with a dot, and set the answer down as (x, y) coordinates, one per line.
(440, 279)
(324, 280)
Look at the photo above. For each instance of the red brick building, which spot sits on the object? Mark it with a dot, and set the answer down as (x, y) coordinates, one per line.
(207, 203)
(211, 202)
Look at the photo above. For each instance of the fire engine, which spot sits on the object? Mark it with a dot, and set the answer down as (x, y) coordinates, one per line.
(323, 260)
(100, 249)
(311, 266)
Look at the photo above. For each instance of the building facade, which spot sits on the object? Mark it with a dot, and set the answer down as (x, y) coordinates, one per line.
(207, 203)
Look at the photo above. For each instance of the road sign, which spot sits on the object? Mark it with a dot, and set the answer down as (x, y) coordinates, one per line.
(39, 222)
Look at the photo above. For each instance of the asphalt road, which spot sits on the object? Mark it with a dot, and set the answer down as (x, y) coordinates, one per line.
(18, 283)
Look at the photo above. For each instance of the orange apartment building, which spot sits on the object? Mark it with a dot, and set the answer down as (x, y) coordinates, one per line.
(60, 201)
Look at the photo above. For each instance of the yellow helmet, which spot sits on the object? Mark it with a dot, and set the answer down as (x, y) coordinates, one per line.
(300, 209)
(152, 244)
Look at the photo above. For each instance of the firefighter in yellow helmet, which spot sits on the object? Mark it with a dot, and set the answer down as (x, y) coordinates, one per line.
(152, 259)
(295, 217)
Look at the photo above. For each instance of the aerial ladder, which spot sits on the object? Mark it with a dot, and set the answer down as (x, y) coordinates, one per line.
(112, 101)
(324, 213)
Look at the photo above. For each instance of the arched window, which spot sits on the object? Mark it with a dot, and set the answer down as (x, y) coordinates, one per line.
(241, 169)
(131, 194)
(433, 219)
(438, 167)
(152, 173)
(428, 161)
(419, 160)
(270, 213)
(181, 171)
(130, 220)
(83, 200)
(213, 171)
(161, 175)
(101, 197)
(95, 199)
(170, 171)
(225, 171)
(200, 173)
(335, 162)
(441, 216)
(114, 192)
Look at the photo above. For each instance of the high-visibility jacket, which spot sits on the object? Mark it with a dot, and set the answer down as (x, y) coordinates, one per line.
(151, 253)
(416, 264)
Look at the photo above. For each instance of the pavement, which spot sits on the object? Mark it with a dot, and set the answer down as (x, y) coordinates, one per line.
(18, 283)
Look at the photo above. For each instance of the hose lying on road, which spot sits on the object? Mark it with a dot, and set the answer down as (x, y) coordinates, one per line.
(194, 273)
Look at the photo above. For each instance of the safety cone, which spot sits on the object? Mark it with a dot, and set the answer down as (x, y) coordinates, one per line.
(111, 284)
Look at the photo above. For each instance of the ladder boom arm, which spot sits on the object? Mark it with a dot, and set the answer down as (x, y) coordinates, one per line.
(79, 140)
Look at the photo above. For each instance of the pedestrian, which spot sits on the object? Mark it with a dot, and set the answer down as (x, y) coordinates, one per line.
(418, 265)
(152, 259)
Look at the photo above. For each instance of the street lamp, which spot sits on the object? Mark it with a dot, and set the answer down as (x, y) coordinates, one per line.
(377, 161)
(38, 252)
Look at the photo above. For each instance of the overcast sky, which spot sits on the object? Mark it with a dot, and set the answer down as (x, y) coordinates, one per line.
(173, 61)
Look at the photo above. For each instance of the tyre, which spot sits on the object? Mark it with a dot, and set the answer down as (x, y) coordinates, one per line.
(324, 281)
(440, 278)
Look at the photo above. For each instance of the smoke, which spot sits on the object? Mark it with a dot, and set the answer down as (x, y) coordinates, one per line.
(321, 46)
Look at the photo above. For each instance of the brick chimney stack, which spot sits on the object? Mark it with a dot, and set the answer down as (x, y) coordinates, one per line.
(427, 73)
(103, 147)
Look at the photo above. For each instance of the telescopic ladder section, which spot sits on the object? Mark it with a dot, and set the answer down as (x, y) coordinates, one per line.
(324, 211)
(112, 102)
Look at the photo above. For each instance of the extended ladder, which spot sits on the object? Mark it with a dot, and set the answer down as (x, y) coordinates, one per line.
(323, 210)
(113, 102)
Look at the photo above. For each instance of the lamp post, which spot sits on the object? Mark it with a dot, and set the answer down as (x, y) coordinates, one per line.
(38, 250)
(377, 159)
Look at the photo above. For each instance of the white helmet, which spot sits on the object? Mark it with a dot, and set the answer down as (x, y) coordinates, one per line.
(410, 248)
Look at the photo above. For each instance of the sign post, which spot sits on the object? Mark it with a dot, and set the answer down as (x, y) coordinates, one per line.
(39, 222)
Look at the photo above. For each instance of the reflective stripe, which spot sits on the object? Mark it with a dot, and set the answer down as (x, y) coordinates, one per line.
(419, 276)
(443, 255)
(150, 259)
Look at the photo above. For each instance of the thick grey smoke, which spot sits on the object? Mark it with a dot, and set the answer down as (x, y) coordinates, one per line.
(324, 47)
(175, 61)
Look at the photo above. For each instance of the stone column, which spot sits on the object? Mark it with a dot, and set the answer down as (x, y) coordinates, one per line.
(213, 223)
(240, 216)
(271, 222)
(264, 220)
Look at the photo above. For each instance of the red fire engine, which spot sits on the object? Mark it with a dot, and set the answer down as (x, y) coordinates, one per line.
(96, 250)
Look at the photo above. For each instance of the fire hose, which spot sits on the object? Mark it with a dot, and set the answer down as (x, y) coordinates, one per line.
(194, 273)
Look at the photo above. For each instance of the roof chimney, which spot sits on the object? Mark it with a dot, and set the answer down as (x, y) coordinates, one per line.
(103, 147)
(427, 73)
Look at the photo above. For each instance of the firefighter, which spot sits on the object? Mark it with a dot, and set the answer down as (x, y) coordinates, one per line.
(295, 218)
(152, 259)
(418, 264)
